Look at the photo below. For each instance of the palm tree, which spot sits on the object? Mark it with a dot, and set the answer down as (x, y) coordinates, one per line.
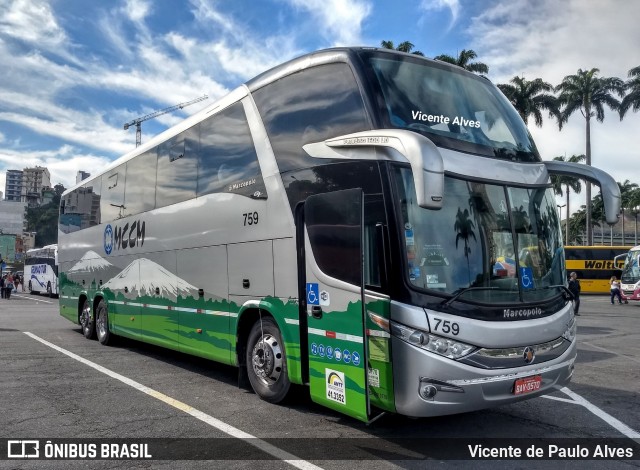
(569, 183)
(632, 100)
(587, 92)
(627, 200)
(530, 99)
(634, 208)
(405, 46)
(464, 226)
(464, 60)
(576, 224)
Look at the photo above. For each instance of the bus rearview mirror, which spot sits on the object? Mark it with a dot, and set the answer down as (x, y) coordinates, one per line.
(422, 154)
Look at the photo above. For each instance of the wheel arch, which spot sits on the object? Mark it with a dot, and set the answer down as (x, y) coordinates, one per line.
(249, 313)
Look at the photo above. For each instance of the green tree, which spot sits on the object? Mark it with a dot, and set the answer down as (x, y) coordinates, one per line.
(44, 219)
(588, 93)
(576, 225)
(464, 60)
(464, 227)
(627, 201)
(530, 98)
(569, 183)
(632, 99)
(405, 46)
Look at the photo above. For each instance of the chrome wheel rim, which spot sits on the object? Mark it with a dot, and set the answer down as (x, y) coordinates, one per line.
(266, 359)
(101, 324)
(85, 316)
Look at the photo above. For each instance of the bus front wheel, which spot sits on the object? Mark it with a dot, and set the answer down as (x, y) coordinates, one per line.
(87, 321)
(102, 323)
(266, 361)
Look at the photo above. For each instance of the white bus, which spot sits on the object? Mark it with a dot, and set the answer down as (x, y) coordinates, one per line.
(341, 221)
(41, 270)
(630, 277)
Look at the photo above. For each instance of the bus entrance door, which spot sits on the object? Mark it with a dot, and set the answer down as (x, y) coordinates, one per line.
(333, 305)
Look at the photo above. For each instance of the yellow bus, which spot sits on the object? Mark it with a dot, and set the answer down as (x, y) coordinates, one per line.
(595, 266)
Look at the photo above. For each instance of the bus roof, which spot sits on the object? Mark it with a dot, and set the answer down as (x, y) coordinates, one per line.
(324, 56)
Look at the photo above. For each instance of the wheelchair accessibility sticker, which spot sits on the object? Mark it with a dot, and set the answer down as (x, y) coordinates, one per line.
(526, 278)
(315, 296)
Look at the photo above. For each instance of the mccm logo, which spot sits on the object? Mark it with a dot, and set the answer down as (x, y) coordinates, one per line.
(108, 239)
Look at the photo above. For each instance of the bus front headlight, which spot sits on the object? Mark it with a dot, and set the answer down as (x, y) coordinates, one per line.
(433, 343)
(570, 332)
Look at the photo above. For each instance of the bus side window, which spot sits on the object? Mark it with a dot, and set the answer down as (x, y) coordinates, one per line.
(177, 167)
(227, 161)
(112, 201)
(140, 193)
(310, 106)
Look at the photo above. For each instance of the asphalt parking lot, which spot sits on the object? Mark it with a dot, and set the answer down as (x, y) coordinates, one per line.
(57, 385)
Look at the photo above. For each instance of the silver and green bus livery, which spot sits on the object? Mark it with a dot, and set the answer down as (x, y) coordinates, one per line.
(375, 225)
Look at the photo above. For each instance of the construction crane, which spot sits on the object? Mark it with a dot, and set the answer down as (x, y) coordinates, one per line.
(138, 121)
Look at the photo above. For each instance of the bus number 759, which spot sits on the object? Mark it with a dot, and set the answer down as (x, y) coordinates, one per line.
(447, 326)
(250, 218)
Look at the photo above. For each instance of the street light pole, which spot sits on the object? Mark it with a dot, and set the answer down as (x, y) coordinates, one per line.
(566, 222)
(635, 229)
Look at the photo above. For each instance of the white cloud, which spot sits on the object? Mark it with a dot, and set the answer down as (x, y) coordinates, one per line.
(341, 20)
(63, 163)
(550, 40)
(31, 21)
(137, 10)
(437, 5)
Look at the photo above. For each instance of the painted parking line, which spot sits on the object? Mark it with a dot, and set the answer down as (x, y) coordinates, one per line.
(615, 423)
(30, 297)
(210, 420)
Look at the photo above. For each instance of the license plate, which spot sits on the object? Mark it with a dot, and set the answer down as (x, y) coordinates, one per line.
(527, 385)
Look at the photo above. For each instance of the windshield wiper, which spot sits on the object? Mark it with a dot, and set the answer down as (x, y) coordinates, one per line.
(568, 295)
(455, 296)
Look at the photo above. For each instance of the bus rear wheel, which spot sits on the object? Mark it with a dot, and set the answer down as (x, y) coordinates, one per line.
(49, 291)
(266, 361)
(87, 321)
(30, 289)
(102, 323)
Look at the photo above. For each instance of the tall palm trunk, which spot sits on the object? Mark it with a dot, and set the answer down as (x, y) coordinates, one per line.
(588, 155)
(566, 222)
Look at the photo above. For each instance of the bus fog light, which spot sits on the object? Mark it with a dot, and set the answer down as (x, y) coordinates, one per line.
(427, 391)
(570, 332)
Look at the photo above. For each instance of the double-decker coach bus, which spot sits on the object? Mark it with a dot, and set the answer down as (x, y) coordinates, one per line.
(41, 270)
(337, 222)
(595, 265)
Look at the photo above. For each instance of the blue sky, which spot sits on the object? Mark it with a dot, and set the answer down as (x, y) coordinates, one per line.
(74, 71)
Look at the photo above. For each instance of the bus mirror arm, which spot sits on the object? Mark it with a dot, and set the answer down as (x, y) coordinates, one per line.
(421, 153)
(608, 186)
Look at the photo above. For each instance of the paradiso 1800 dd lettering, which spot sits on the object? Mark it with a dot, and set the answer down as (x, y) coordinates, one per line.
(123, 237)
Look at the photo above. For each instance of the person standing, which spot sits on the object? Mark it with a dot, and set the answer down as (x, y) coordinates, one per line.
(8, 286)
(2, 281)
(615, 290)
(574, 288)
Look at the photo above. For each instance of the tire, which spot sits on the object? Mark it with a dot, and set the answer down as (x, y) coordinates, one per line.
(49, 292)
(87, 321)
(102, 324)
(31, 290)
(266, 361)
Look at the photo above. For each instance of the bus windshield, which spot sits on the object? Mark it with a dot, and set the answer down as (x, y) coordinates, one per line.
(453, 108)
(631, 271)
(504, 242)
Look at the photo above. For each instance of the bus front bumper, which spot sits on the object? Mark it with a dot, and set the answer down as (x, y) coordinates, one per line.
(460, 388)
